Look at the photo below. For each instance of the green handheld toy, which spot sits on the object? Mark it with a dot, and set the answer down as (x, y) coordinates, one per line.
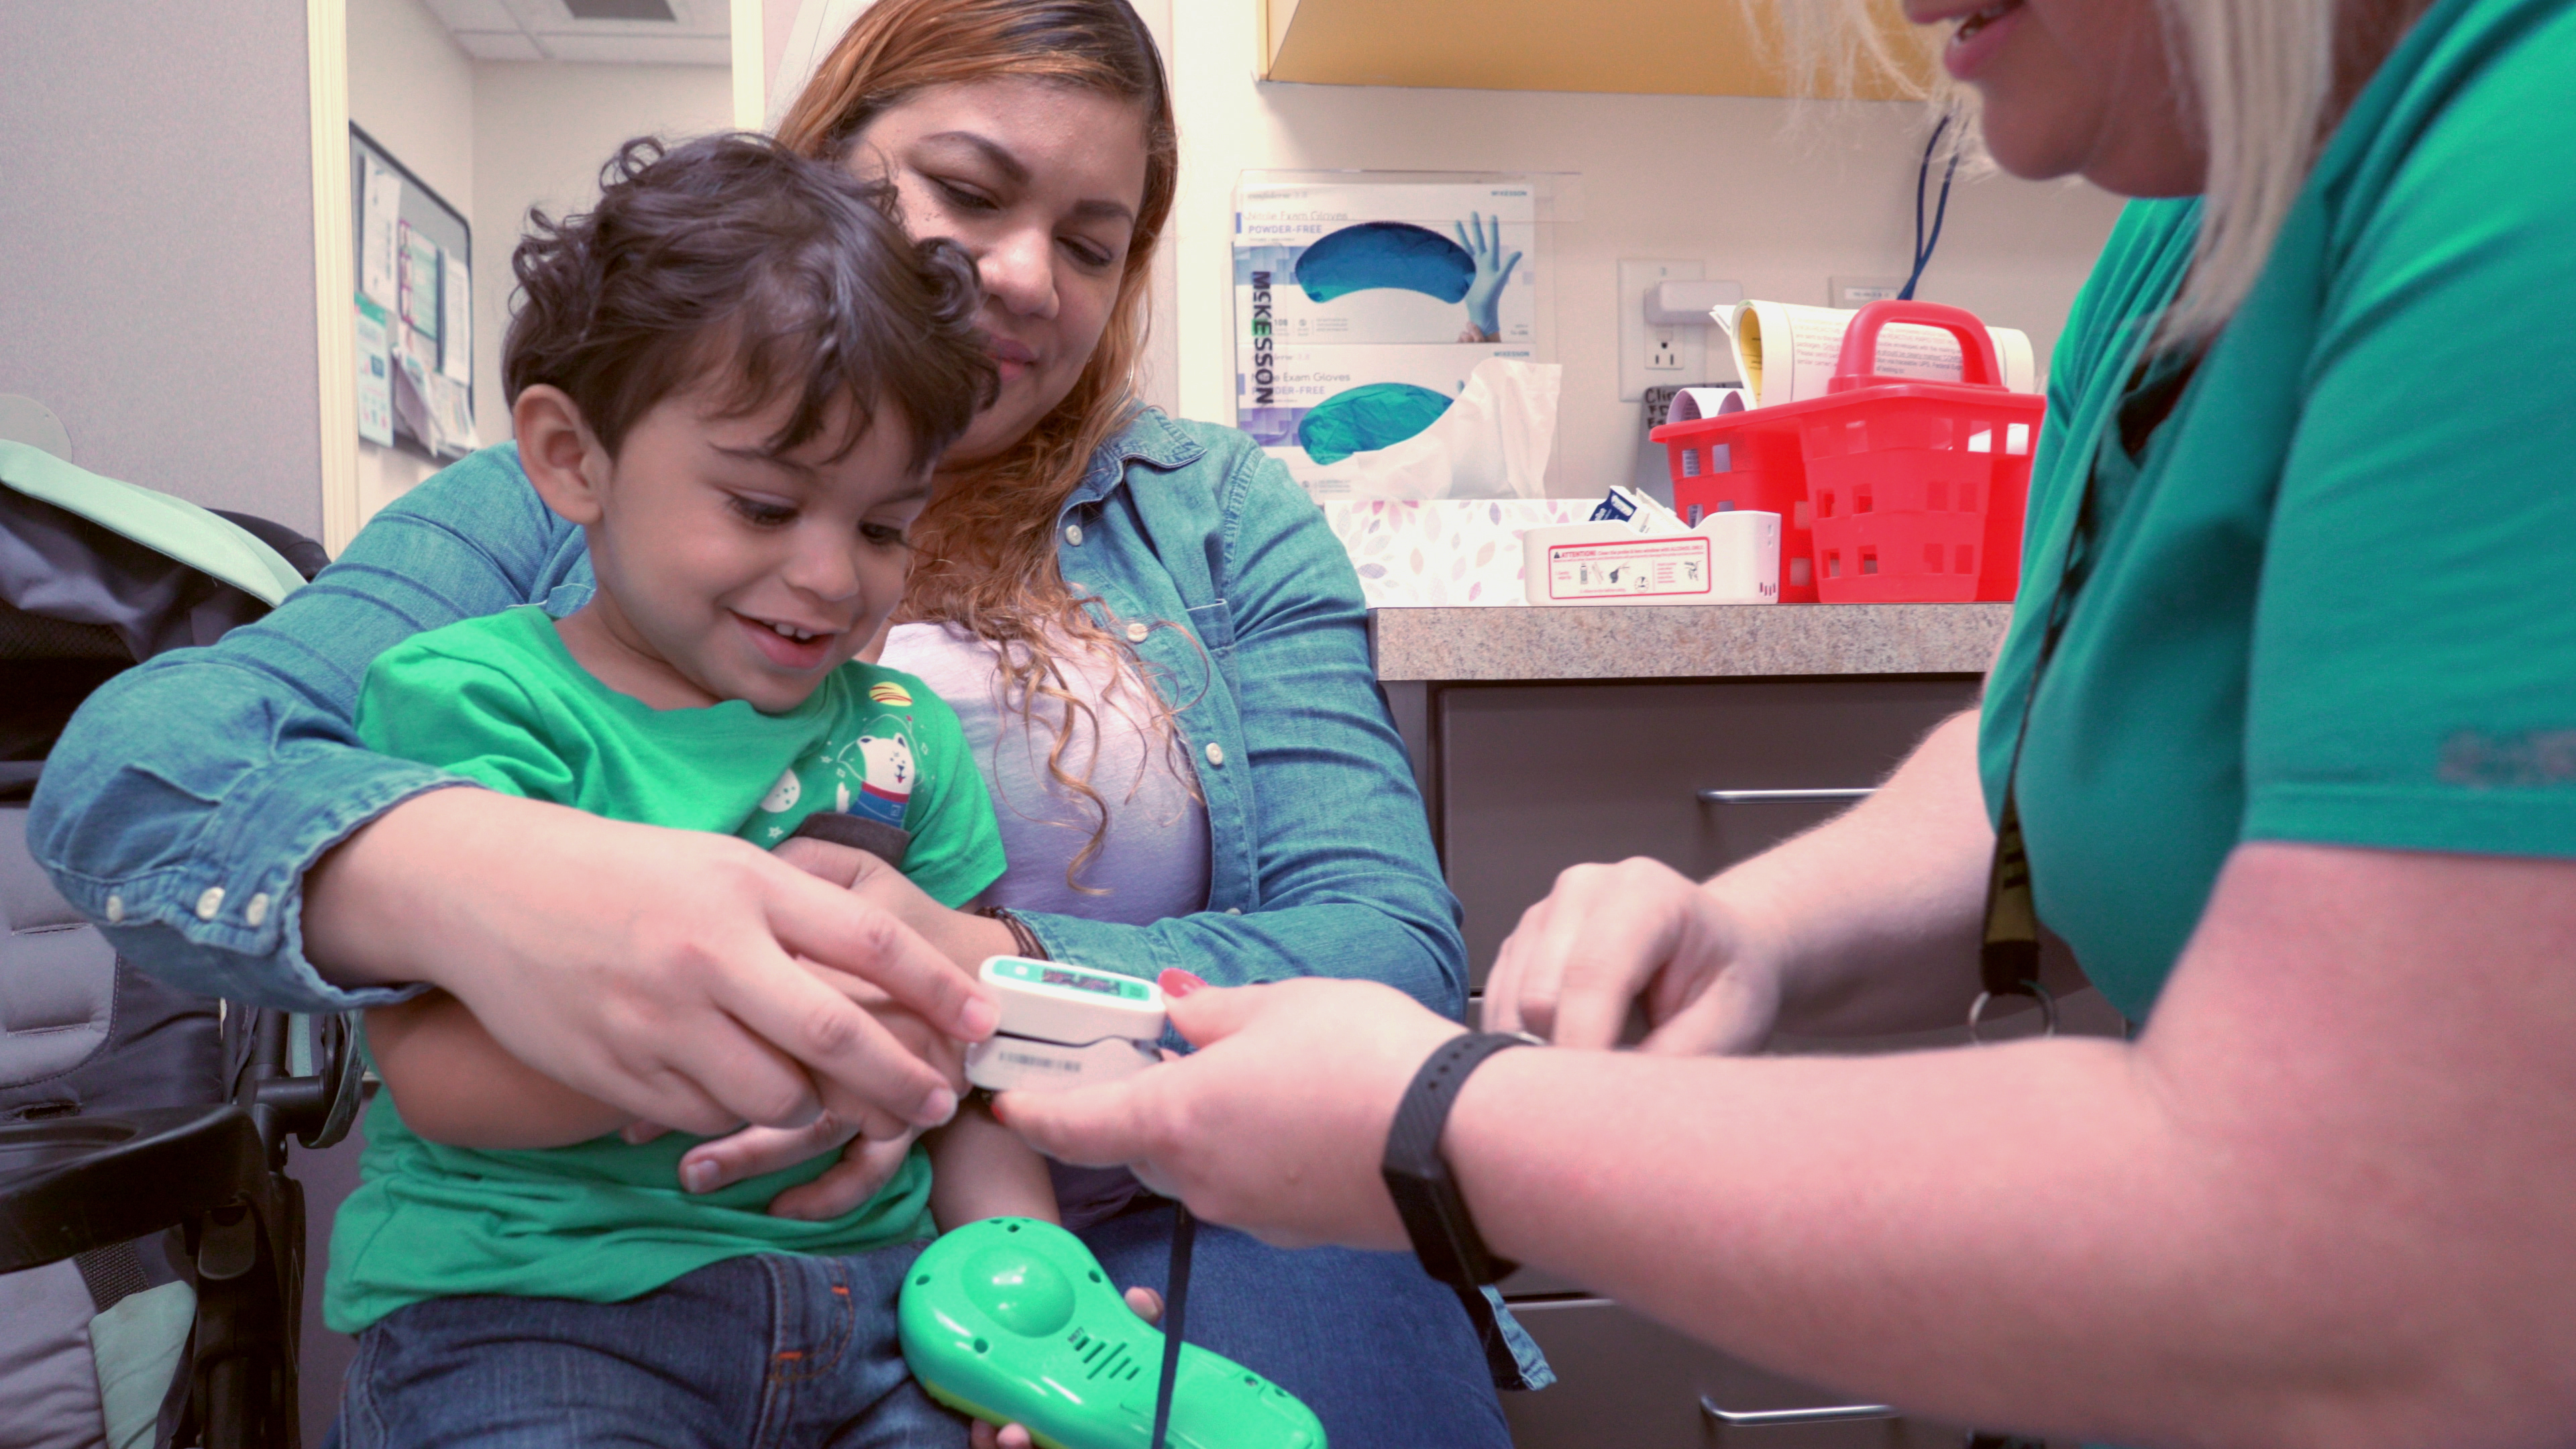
(1011, 1320)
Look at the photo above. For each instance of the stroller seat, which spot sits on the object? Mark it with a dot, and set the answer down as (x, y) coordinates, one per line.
(151, 1243)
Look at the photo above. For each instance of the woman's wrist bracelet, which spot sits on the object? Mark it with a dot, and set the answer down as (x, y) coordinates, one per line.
(1024, 942)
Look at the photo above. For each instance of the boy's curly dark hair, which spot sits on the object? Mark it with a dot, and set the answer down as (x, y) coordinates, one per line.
(734, 260)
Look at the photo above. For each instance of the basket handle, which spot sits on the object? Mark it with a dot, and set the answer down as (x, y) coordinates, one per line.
(1858, 365)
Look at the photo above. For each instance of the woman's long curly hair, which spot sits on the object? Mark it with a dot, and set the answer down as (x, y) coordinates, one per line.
(987, 559)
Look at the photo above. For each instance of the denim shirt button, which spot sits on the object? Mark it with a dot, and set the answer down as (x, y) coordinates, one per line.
(211, 901)
(1234, 910)
(1216, 754)
(1137, 631)
(1073, 534)
(255, 910)
(115, 909)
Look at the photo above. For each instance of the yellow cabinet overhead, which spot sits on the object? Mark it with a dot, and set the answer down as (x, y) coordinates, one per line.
(1647, 47)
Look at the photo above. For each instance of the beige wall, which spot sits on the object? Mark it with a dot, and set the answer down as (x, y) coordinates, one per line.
(413, 90)
(542, 130)
(1769, 196)
(156, 244)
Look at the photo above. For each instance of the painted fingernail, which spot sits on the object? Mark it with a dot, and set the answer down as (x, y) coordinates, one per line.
(698, 1176)
(1177, 982)
(995, 1107)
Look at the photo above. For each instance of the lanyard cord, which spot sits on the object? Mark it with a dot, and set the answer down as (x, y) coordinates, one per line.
(1185, 1231)
(1923, 173)
(2008, 955)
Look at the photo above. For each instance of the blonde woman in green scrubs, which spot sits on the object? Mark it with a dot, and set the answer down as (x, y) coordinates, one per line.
(2298, 790)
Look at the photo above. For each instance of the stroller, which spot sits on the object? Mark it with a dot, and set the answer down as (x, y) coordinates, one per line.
(151, 1243)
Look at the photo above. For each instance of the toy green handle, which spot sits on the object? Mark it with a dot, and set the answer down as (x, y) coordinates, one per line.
(1011, 1320)
(1857, 366)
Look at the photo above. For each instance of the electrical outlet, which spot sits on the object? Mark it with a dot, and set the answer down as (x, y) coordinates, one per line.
(1649, 354)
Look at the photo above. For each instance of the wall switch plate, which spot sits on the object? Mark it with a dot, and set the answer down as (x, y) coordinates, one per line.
(1858, 292)
(1648, 354)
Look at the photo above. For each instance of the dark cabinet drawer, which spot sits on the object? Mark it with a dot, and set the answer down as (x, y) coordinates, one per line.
(1628, 1383)
(1537, 777)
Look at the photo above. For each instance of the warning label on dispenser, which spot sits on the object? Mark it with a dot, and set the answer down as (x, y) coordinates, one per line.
(1632, 568)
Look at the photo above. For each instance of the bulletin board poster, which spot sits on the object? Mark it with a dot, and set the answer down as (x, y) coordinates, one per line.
(414, 261)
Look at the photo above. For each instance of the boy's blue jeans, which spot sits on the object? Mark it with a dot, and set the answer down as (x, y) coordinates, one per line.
(748, 1353)
(779, 1350)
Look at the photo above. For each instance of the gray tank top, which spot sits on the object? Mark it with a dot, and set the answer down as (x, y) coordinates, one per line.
(1152, 863)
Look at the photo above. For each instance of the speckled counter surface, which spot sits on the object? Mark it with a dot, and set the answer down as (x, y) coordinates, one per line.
(1684, 641)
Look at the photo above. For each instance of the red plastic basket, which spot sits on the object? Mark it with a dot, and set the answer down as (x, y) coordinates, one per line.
(1894, 489)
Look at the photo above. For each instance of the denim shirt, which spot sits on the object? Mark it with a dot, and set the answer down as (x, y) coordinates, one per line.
(192, 793)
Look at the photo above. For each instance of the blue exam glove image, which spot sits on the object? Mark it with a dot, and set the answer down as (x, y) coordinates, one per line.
(1484, 243)
(1386, 254)
(1372, 415)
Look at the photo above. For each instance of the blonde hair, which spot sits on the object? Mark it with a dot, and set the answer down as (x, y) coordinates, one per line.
(2268, 80)
(986, 544)
(2262, 75)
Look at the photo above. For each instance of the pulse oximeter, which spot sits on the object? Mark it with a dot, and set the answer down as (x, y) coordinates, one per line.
(1064, 1026)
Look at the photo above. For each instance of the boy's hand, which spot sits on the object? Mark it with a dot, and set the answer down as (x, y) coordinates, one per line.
(867, 1164)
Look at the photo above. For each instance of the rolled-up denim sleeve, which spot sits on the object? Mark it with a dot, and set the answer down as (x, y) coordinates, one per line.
(190, 795)
(1347, 881)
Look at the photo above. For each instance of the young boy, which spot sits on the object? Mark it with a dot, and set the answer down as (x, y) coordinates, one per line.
(733, 375)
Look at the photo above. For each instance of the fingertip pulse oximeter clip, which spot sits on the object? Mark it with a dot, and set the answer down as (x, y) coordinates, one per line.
(1064, 1026)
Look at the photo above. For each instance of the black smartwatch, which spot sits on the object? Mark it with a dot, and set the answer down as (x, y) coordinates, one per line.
(1417, 1176)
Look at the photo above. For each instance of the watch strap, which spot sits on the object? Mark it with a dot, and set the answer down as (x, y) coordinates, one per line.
(1426, 1195)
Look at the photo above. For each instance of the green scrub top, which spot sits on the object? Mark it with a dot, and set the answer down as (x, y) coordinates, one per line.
(2333, 600)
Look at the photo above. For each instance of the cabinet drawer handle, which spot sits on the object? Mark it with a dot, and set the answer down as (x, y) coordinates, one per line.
(1771, 1418)
(1782, 797)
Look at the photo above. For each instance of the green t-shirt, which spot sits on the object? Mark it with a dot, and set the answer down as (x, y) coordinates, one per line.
(2334, 600)
(502, 701)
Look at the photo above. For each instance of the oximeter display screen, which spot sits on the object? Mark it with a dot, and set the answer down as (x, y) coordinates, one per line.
(1107, 986)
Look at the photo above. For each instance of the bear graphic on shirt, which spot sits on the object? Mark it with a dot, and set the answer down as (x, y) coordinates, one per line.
(885, 777)
(872, 773)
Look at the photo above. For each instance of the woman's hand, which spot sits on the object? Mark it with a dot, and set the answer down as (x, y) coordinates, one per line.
(962, 936)
(653, 969)
(867, 1163)
(1638, 931)
(1311, 1069)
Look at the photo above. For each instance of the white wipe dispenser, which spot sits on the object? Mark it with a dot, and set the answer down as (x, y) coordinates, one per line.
(1064, 1026)
(1731, 558)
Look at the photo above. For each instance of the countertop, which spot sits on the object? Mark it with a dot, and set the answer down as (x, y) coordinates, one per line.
(1674, 641)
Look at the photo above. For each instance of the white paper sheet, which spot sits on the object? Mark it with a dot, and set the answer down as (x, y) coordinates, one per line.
(416, 282)
(1786, 352)
(379, 209)
(456, 326)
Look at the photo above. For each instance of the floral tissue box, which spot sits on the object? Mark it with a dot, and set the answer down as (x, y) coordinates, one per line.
(1444, 552)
